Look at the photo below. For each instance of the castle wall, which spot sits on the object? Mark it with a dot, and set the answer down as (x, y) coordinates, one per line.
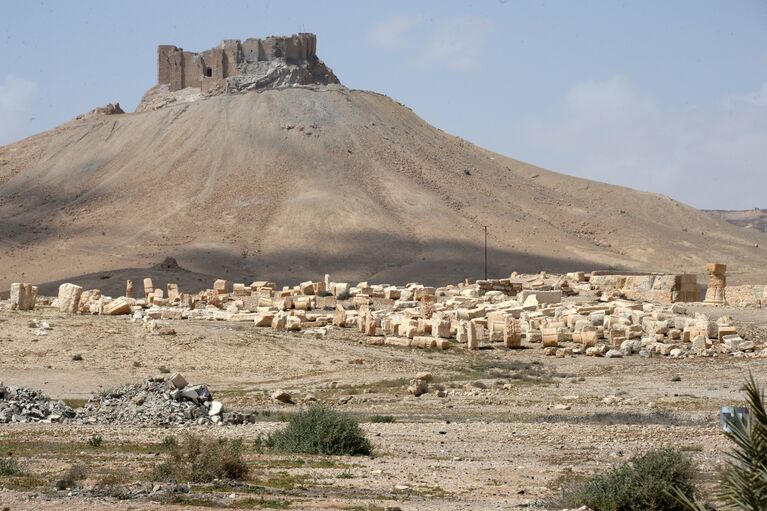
(170, 67)
(253, 50)
(179, 69)
(192, 70)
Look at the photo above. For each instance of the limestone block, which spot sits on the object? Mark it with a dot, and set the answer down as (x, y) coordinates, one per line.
(461, 332)
(264, 319)
(440, 326)
(731, 343)
(128, 289)
(117, 307)
(541, 297)
(306, 288)
(665, 349)
(512, 333)
(303, 303)
(221, 286)
(551, 337)
(726, 330)
(420, 341)
(69, 297)
(589, 338)
(392, 293)
(148, 287)
(293, 324)
(370, 325)
(23, 296)
(173, 292)
(423, 292)
(475, 334)
(279, 321)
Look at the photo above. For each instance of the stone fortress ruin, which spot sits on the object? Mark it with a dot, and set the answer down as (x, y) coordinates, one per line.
(206, 70)
(236, 66)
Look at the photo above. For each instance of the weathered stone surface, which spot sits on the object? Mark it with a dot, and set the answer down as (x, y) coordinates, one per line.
(716, 283)
(23, 296)
(117, 307)
(418, 387)
(512, 332)
(69, 297)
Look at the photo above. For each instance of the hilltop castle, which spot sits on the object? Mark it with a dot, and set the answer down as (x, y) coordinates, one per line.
(206, 70)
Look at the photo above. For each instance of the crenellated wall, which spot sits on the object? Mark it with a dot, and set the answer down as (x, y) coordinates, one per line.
(179, 69)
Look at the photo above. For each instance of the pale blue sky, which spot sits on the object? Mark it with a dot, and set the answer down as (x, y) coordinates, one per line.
(666, 96)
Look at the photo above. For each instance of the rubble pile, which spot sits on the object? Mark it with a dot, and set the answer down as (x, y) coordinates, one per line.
(20, 404)
(159, 401)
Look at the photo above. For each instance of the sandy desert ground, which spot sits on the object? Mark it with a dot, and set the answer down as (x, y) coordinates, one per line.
(514, 425)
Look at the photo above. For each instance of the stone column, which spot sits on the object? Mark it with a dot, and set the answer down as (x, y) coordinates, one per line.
(128, 289)
(716, 283)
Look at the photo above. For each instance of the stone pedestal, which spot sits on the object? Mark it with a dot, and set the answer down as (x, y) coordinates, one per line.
(716, 283)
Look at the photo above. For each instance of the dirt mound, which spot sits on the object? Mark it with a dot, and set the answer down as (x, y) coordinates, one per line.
(287, 184)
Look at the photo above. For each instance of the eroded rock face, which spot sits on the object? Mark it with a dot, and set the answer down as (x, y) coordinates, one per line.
(108, 109)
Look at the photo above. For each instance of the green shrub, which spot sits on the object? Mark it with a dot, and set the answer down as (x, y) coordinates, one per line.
(95, 441)
(382, 419)
(10, 467)
(320, 430)
(200, 460)
(169, 442)
(644, 484)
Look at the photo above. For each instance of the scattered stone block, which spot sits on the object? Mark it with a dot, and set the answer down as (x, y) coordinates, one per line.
(221, 286)
(69, 297)
(117, 307)
(23, 296)
(148, 288)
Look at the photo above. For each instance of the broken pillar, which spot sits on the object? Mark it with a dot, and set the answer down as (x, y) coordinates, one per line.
(173, 292)
(512, 332)
(23, 296)
(716, 283)
(128, 289)
(148, 288)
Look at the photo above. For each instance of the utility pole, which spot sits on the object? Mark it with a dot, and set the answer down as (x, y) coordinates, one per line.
(485, 252)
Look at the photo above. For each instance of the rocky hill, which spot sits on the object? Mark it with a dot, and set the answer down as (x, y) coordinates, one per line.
(751, 218)
(288, 183)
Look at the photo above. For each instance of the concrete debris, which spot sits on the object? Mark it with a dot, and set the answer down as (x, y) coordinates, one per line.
(20, 404)
(159, 401)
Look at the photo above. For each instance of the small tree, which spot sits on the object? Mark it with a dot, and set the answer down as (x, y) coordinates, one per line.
(744, 484)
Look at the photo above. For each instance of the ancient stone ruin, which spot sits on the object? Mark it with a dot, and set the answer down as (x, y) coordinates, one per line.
(235, 66)
(716, 282)
(599, 313)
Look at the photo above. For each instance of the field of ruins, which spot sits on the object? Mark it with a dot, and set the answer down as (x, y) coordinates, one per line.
(255, 286)
(481, 394)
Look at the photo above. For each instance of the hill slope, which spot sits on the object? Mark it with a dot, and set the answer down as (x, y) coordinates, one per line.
(291, 183)
(750, 218)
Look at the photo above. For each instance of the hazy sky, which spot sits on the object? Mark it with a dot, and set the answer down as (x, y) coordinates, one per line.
(665, 96)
